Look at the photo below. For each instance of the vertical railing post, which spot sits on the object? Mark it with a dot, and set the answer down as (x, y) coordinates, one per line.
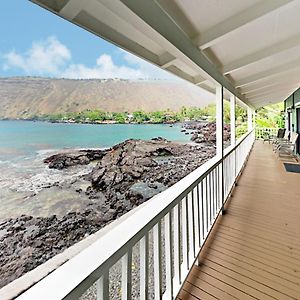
(249, 116)
(144, 268)
(126, 275)
(232, 120)
(102, 286)
(157, 261)
(220, 137)
(232, 132)
(254, 120)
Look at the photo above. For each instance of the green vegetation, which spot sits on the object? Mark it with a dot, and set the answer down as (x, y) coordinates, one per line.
(156, 117)
(270, 116)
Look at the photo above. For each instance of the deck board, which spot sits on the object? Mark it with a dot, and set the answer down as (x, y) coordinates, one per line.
(254, 250)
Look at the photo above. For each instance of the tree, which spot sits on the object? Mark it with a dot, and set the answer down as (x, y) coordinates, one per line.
(140, 116)
(120, 117)
(270, 116)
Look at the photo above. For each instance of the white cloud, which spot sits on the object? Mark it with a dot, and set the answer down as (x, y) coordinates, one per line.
(149, 70)
(46, 57)
(52, 58)
(104, 68)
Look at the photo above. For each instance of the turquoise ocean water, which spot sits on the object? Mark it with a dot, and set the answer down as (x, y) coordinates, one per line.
(23, 146)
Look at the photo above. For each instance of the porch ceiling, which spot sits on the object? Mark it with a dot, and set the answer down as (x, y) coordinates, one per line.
(251, 47)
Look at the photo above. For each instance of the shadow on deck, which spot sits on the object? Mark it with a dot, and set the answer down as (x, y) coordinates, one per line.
(253, 251)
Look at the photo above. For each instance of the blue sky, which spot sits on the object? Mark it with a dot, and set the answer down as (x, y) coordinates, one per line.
(35, 42)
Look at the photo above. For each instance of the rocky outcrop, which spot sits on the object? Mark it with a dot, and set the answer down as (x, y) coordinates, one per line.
(157, 164)
(126, 175)
(204, 132)
(81, 157)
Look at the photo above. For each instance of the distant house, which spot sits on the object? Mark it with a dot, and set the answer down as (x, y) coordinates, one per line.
(129, 117)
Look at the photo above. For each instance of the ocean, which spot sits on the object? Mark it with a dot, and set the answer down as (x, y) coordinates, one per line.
(26, 183)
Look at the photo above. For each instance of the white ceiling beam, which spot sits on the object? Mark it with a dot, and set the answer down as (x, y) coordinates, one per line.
(182, 21)
(259, 86)
(90, 23)
(208, 88)
(271, 95)
(195, 80)
(272, 86)
(199, 80)
(268, 73)
(292, 75)
(230, 25)
(271, 98)
(157, 18)
(262, 54)
(204, 82)
(73, 8)
(270, 90)
(166, 60)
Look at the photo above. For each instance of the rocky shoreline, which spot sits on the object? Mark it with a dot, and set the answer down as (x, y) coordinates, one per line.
(125, 176)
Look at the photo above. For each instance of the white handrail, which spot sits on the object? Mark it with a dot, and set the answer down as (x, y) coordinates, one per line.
(187, 209)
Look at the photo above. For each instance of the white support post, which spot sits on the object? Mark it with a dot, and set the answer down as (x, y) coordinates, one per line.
(249, 114)
(219, 121)
(219, 138)
(232, 132)
(232, 120)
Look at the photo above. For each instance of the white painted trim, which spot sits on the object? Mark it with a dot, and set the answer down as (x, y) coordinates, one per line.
(219, 120)
(230, 25)
(295, 64)
(159, 20)
(73, 8)
(232, 120)
(261, 54)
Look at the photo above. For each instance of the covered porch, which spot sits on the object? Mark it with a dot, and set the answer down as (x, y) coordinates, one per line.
(253, 250)
(228, 230)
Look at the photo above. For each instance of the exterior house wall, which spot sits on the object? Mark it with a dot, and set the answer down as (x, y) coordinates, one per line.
(290, 108)
(291, 104)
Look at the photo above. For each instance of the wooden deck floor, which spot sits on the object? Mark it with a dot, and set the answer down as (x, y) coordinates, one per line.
(254, 250)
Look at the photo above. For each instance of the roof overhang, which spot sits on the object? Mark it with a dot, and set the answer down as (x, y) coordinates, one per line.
(250, 47)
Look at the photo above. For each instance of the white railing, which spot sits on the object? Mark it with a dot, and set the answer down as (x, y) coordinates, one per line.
(265, 133)
(169, 230)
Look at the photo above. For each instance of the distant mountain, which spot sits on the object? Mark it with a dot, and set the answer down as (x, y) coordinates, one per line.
(23, 97)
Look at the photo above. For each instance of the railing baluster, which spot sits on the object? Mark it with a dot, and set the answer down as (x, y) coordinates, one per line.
(214, 192)
(144, 267)
(212, 197)
(219, 187)
(191, 225)
(206, 206)
(126, 275)
(202, 211)
(168, 256)
(184, 231)
(209, 199)
(157, 261)
(226, 178)
(186, 226)
(197, 217)
(102, 286)
(177, 247)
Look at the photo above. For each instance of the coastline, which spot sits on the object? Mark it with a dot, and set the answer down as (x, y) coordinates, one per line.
(147, 168)
(94, 123)
(121, 178)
